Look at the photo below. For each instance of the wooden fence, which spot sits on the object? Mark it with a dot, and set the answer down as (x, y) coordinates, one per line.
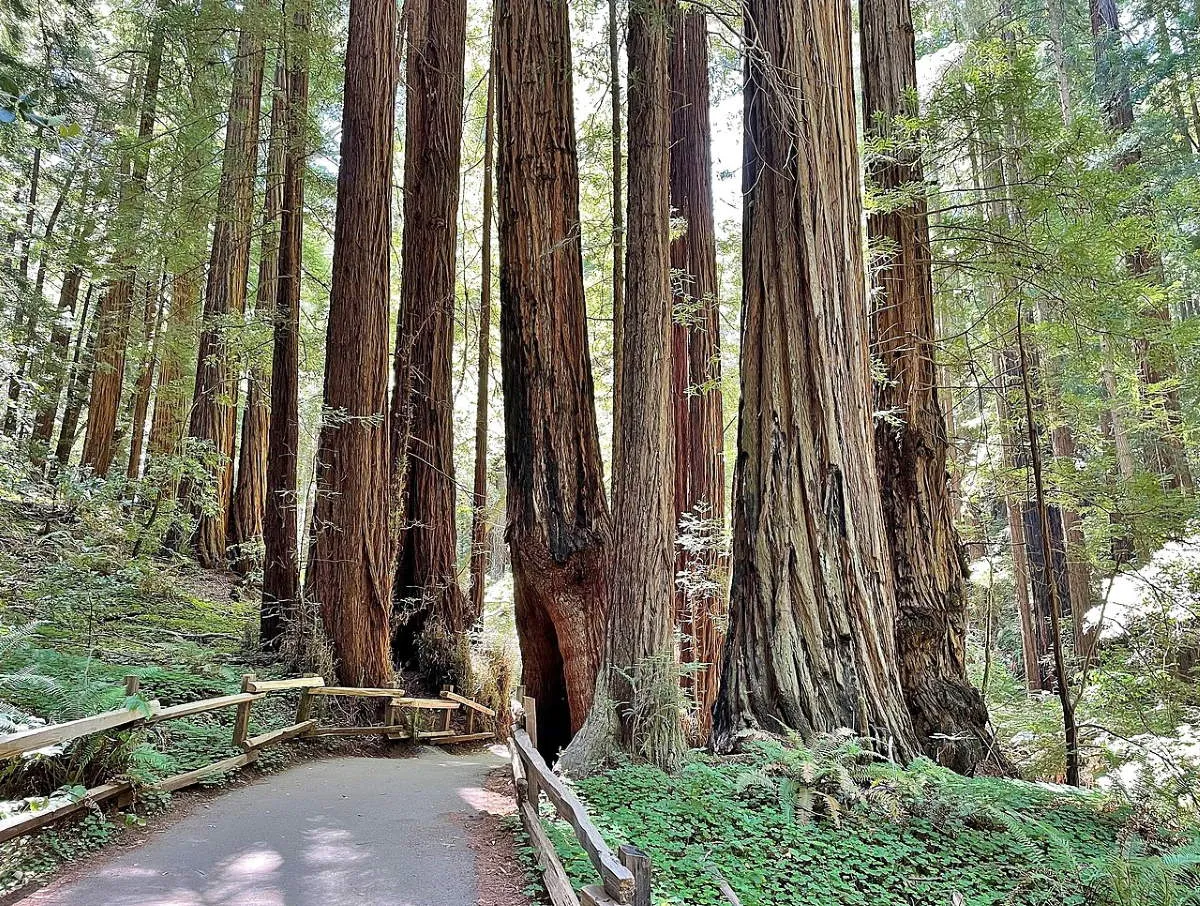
(402, 721)
(624, 877)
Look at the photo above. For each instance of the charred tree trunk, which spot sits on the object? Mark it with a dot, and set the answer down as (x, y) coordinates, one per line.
(350, 569)
(812, 609)
(112, 315)
(249, 496)
(214, 406)
(700, 600)
(948, 714)
(433, 619)
(281, 556)
(479, 524)
(558, 521)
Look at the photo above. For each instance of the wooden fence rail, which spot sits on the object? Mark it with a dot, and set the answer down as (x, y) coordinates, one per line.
(304, 727)
(625, 875)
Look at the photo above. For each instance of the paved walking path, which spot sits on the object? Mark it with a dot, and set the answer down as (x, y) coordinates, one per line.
(339, 832)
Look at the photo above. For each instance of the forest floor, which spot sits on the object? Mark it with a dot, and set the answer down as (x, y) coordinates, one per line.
(334, 832)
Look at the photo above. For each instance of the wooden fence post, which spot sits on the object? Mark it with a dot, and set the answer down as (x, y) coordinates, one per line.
(530, 706)
(132, 684)
(241, 724)
(305, 706)
(638, 863)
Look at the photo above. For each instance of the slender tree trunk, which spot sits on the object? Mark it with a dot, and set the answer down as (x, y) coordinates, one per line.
(947, 712)
(618, 223)
(700, 600)
(433, 618)
(1157, 363)
(281, 556)
(56, 364)
(26, 334)
(107, 370)
(812, 609)
(78, 380)
(350, 569)
(175, 375)
(479, 524)
(152, 317)
(558, 521)
(214, 407)
(249, 498)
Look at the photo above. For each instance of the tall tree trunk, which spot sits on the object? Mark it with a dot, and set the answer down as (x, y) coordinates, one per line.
(812, 609)
(479, 524)
(78, 381)
(152, 316)
(249, 497)
(618, 223)
(1157, 364)
(281, 555)
(433, 620)
(26, 333)
(911, 447)
(558, 521)
(107, 369)
(700, 602)
(55, 372)
(175, 375)
(350, 569)
(214, 407)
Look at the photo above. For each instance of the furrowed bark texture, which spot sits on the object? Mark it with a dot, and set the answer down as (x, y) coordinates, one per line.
(700, 601)
(431, 632)
(214, 407)
(112, 315)
(281, 555)
(558, 521)
(641, 618)
(948, 713)
(350, 568)
(812, 610)
(250, 489)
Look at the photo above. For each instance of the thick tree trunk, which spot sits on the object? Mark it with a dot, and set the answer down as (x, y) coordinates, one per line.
(479, 524)
(350, 569)
(249, 496)
(281, 556)
(911, 447)
(433, 619)
(79, 377)
(214, 406)
(700, 600)
(558, 522)
(812, 609)
(112, 316)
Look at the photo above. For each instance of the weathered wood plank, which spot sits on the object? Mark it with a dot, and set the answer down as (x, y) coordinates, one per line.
(618, 880)
(349, 731)
(558, 885)
(529, 712)
(352, 692)
(241, 724)
(281, 735)
(30, 821)
(279, 685)
(638, 863)
(518, 769)
(595, 895)
(190, 778)
(473, 705)
(456, 738)
(430, 704)
(15, 744)
(199, 707)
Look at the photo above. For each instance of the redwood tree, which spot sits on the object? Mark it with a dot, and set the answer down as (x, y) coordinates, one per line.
(350, 566)
(432, 630)
(214, 407)
(948, 713)
(696, 368)
(249, 493)
(812, 610)
(558, 522)
(281, 555)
